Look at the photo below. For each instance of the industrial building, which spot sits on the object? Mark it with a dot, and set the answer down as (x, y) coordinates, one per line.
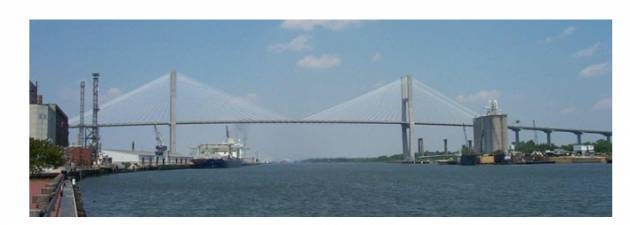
(144, 158)
(490, 131)
(78, 156)
(46, 121)
(583, 150)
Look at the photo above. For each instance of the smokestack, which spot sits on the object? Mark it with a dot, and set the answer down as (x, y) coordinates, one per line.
(421, 146)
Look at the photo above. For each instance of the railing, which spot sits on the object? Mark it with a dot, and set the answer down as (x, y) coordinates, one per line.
(52, 200)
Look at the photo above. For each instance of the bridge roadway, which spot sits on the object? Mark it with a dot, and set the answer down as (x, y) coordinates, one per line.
(514, 128)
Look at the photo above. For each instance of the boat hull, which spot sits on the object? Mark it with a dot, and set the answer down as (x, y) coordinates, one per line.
(216, 163)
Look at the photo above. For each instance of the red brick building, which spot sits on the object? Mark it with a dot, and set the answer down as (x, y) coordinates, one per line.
(78, 156)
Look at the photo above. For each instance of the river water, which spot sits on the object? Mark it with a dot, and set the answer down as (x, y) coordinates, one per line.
(355, 189)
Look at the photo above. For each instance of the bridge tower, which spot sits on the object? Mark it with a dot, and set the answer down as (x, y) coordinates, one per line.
(173, 121)
(408, 119)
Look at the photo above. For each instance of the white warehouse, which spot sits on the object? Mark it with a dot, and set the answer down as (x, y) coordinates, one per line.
(144, 158)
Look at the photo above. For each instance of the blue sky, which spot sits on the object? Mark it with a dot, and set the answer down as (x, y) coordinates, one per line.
(555, 72)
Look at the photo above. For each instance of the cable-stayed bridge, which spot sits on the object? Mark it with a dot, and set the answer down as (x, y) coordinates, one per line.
(406, 103)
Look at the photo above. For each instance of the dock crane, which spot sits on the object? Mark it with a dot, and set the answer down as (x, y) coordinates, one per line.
(160, 148)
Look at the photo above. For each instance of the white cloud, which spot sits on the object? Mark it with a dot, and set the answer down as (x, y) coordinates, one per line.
(564, 34)
(479, 97)
(245, 99)
(568, 110)
(251, 97)
(108, 95)
(376, 57)
(322, 62)
(603, 104)
(595, 70)
(308, 25)
(590, 51)
(113, 93)
(296, 44)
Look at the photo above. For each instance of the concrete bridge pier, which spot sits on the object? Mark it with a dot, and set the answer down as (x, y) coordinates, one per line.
(548, 133)
(579, 137)
(421, 147)
(516, 137)
(445, 146)
(405, 141)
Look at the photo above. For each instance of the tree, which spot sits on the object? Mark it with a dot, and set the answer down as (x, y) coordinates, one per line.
(44, 154)
(530, 146)
(603, 146)
(568, 147)
(526, 147)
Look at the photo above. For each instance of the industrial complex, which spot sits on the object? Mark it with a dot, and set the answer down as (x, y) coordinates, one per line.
(46, 121)
(49, 122)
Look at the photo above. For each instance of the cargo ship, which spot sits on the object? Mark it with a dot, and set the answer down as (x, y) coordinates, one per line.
(216, 163)
(220, 155)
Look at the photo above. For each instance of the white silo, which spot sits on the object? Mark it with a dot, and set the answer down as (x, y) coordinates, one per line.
(490, 131)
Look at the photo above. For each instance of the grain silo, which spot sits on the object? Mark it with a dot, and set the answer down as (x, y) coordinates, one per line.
(490, 131)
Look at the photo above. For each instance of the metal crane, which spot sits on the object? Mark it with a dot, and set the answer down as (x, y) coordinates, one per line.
(160, 148)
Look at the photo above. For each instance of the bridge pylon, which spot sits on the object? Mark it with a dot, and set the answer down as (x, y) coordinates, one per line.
(172, 118)
(408, 124)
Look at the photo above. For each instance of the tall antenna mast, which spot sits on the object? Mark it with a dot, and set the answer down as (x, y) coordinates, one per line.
(81, 140)
(94, 135)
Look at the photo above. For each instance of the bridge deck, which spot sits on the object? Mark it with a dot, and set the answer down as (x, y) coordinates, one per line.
(133, 124)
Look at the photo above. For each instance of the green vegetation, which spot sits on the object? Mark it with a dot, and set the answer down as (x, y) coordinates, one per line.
(601, 146)
(44, 154)
(530, 146)
(382, 158)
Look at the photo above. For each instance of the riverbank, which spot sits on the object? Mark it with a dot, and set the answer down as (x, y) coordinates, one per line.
(467, 160)
(80, 174)
(57, 195)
